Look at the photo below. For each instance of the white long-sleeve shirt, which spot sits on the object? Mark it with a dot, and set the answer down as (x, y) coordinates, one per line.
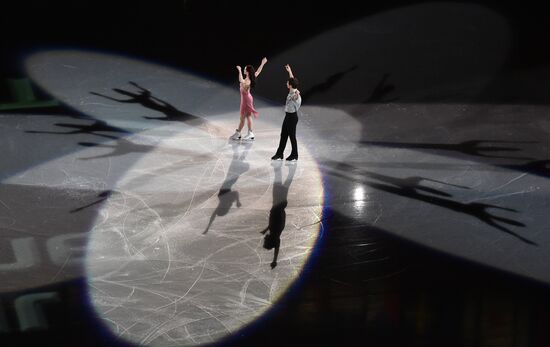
(293, 101)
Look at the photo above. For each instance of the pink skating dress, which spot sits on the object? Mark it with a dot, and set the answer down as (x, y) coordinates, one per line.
(247, 103)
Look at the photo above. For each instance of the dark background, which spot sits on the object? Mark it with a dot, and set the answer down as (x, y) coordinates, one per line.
(414, 297)
(212, 36)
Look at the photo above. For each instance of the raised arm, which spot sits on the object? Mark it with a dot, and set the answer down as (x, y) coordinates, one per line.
(241, 79)
(289, 70)
(259, 70)
(291, 75)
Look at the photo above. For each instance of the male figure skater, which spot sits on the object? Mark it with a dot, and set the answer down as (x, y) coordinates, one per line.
(293, 103)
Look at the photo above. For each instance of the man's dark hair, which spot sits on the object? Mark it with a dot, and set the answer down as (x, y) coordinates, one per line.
(293, 81)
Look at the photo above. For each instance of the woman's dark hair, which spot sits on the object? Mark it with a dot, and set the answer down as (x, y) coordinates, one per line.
(251, 75)
(293, 81)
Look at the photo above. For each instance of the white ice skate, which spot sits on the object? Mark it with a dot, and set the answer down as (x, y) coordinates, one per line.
(249, 136)
(236, 136)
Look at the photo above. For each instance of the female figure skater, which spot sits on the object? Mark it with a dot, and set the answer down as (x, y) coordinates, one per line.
(247, 102)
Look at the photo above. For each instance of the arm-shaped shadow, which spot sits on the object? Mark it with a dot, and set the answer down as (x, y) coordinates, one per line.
(227, 197)
(476, 210)
(103, 195)
(380, 91)
(412, 183)
(329, 83)
(472, 148)
(131, 100)
(92, 129)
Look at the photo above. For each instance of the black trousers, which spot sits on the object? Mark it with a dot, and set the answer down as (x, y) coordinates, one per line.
(289, 130)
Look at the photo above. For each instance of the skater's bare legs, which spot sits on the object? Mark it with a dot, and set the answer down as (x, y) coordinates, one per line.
(241, 123)
(249, 122)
